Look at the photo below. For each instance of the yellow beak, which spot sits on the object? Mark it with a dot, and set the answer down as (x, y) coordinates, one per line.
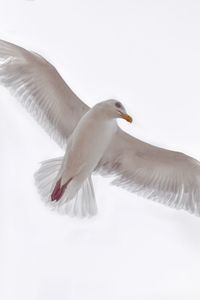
(127, 118)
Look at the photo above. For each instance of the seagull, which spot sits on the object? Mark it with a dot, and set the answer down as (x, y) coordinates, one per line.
(93, 143)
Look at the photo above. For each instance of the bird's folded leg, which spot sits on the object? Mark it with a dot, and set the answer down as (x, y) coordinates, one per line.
(59, 190)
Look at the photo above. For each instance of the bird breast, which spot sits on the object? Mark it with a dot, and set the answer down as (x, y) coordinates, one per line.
(87, 144)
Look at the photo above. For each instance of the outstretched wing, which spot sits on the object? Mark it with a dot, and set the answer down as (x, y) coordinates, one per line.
(37, 84)
(169, 177)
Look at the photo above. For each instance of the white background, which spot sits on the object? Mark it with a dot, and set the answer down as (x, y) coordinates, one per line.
(147, 55)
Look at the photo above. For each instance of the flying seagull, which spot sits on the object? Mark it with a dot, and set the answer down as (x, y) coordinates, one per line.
(93, 143)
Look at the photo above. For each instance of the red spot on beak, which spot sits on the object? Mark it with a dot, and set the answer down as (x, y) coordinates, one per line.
(58, 190)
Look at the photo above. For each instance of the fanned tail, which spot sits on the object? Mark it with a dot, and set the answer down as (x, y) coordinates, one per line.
(82, 205)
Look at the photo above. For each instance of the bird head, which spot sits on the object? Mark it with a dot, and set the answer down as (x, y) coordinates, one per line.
(114, 109)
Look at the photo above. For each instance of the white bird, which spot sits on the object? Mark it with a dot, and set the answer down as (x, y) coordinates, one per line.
(93, 142)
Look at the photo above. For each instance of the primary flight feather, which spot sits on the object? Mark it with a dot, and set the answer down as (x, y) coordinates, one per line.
(93, 142)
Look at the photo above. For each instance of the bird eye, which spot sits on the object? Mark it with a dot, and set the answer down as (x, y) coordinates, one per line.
(118, 104)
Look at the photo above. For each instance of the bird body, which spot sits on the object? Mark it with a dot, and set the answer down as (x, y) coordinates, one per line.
(93, 142)
(85, 148)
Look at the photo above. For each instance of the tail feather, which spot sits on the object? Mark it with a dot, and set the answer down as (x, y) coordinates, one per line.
(82, 205)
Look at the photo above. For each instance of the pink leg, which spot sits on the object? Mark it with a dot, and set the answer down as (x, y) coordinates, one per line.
(59, 190)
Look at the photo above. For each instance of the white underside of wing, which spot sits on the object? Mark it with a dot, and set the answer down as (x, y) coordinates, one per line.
(175, 190)
(39, 87)
(164, 176)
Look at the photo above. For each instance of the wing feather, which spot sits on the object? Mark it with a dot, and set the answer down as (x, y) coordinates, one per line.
(169, 177)
(40, 88)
